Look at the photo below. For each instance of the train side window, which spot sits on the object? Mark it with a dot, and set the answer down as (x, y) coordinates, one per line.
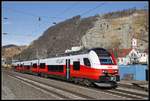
(42, 65)
(76, 65)
(86, 61)
(49, 68)
(61, 68)
(28, 67)
(34, 65)
(56, 68)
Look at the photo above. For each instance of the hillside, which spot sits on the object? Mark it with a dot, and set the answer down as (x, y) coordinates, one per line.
(8, 51)
(111, 30)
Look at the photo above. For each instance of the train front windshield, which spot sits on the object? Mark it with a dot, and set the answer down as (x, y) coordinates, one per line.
(104, 57)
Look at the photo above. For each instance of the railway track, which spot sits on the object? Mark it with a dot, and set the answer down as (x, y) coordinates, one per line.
(128, 94)
(134, 86)
(60, 92)
(63, 93)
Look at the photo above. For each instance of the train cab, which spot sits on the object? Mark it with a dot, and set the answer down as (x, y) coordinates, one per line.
(104, 61)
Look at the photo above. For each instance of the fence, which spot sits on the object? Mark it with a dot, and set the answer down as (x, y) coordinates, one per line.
(133, 72)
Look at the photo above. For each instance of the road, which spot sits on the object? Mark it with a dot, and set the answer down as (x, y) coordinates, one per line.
(28, 87)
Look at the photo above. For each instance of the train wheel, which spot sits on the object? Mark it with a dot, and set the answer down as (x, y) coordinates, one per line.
(114, 85)
(45, 76)
(76, 81)
(87, 82)
(39, 74)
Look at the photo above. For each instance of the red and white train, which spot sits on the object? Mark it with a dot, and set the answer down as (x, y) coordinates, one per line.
(88, 67)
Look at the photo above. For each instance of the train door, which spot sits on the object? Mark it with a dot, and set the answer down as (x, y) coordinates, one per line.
(67, 69)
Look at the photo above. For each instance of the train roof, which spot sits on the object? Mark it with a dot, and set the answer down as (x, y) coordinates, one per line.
(82, 51)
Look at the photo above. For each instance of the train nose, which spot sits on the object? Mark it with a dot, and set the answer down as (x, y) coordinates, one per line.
(116, 71)
(105, 71)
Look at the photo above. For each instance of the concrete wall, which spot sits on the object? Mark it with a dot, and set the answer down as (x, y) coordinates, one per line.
(132, 72)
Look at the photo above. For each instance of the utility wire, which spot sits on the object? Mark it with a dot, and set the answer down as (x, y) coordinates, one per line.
(92, 9)
(31, 14)
(22, 35)
(39, 18)
(68, 9)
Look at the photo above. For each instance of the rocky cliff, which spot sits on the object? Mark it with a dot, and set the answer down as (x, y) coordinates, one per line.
(115, 29)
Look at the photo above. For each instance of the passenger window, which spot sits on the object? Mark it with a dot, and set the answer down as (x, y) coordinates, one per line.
(28, 67)
(56, 68)
(34, 65)
(86, 61)
(76, 65)
(42, 65)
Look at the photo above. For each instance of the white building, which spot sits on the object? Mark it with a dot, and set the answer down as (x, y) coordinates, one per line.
(142, 57)
(131, 56)
(123, 56)
(134, 43)
(123, 60)
(3, 61)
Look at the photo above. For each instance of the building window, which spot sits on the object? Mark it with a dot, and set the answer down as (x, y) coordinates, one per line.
(86, 61)
(121, 60)
(76, 65)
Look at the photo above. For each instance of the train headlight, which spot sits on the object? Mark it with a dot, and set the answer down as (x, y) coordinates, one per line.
(105, 71)
(116, 71)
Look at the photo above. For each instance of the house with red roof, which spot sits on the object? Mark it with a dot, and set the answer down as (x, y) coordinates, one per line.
(129, 56)
(122, 55)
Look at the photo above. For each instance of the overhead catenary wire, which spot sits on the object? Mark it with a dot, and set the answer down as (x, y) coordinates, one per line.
(20, 35)
(68, 8)
(92, 9)
(31, 14)
(38, 17)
